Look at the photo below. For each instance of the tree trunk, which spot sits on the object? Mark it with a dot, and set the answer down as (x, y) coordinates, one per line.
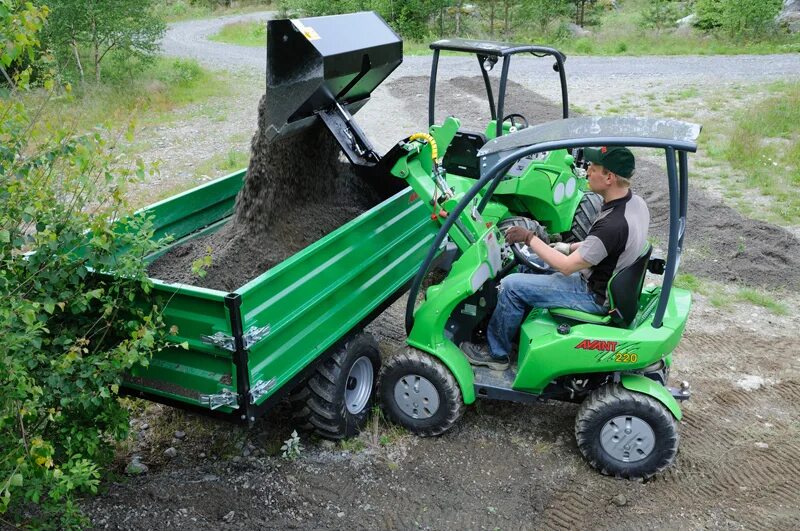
(78, 59)
(491, 19)
(441, 22)
(96, 52)
(505, 17)
(458, 17)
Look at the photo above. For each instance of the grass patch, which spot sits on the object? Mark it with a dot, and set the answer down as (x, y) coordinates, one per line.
(763, 141)
(243, 34)
(222, 164)
(760, 298)
(148, 98)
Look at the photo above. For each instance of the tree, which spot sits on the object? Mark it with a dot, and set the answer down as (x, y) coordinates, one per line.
(69, 273)
(129, 28)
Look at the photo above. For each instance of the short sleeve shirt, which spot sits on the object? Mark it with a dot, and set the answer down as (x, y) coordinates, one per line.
(615, 241)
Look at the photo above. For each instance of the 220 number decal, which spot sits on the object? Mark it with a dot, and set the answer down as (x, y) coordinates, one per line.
(626, 357)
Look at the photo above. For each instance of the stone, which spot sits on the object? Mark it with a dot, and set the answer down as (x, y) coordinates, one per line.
(229, 517)
(136, 468)
(620, 500)
(578, 31)
(790, 15)
(180, 434)
(171, 452)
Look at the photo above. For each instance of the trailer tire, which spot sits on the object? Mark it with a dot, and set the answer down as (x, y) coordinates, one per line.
(434, 402)
(337, 399)
(651, 446)
(587, 211)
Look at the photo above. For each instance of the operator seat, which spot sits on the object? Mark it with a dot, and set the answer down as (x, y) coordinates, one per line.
(461, 157)
(623, 291)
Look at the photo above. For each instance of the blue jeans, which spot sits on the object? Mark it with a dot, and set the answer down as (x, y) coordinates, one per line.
(521, 291)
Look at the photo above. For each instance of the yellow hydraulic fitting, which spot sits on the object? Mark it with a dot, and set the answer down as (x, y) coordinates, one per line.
(430, 140)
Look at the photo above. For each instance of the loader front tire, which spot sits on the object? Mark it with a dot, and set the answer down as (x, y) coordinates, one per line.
(626, 434)
(587, 211)
(337, 399)
(419, 393)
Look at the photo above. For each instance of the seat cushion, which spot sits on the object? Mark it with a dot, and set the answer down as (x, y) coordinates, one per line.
(577, 315)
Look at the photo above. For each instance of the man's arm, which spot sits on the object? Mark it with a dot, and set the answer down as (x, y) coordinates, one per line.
(565, 265)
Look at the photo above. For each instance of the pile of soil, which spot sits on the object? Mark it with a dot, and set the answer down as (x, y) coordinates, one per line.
(297, 190)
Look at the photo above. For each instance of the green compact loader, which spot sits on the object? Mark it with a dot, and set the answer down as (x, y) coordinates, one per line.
(297, 329)
(616, 365)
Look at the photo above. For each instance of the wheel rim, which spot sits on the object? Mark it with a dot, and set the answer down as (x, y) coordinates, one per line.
(627, 438)
(359, 385)
(416, 396)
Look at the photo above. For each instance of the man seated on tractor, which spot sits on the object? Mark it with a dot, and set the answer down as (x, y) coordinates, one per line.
(582, 270)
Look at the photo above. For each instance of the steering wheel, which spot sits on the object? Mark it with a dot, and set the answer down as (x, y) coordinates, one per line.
(523, 121)
(523, 255)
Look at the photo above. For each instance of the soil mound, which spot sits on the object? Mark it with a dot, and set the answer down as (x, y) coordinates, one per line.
(297, 190)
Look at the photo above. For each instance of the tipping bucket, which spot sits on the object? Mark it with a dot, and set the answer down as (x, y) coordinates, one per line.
(315, 63)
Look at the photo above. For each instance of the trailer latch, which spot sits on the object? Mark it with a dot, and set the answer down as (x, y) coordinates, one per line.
(262, 388)
(250, 338)
(225, 398)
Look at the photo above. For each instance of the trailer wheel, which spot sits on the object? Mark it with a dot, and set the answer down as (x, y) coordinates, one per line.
(419, 393)
(626, 434)
(587, 211)
(338, 397)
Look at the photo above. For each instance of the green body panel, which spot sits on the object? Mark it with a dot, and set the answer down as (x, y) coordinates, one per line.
(581, 316)
(317, 296)
(646, 386)
(591, 348)
(467, 275)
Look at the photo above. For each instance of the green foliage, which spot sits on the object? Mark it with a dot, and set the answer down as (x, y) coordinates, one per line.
(84, 32)
(737, 17)
(292, 449)
(69, 274)
(661, 14)
(759, 298)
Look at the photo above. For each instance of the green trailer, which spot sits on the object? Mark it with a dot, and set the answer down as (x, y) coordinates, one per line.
(248, 348)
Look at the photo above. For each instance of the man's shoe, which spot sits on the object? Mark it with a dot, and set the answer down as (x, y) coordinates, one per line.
(480, 355)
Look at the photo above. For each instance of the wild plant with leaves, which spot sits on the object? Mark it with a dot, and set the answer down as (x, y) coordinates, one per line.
(70, 269)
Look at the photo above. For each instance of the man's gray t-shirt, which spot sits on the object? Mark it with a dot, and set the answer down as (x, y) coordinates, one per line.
(616, 239)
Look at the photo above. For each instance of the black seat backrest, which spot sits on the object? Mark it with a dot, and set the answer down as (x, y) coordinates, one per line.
(461, 157)
(625, 287)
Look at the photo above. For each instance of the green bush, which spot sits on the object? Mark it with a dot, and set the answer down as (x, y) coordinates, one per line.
(737, 17)
(69, 273)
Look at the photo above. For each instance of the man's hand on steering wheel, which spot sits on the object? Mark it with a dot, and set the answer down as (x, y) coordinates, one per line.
(517, 234)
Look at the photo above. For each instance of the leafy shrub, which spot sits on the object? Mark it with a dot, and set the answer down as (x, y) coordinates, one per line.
(69, 276)
(737, 17)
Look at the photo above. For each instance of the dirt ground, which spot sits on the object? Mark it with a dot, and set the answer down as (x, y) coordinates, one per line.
(507, 465)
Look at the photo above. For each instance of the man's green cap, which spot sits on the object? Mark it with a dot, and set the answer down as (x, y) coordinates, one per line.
(615, 159)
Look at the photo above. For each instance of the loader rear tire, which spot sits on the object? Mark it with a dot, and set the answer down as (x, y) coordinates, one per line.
(419, 393)
(337, 399)
(587, 211)
(626, 434)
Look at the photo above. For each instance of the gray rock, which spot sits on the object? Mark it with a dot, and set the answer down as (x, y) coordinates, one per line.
(171, 452)
(686, 22)
(790, 15)
(620, 500)
(180, 434)
(578, 31)
(136, 467)
(145, 426)
(229, 517)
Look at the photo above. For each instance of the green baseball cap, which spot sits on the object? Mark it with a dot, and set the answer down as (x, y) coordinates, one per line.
(615, 159)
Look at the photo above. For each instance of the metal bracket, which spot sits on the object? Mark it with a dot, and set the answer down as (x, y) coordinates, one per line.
(254, 335)
(250, 338)
(261, 388)
(225, 398)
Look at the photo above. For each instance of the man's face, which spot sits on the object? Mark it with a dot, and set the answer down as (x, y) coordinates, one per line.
(598, 178)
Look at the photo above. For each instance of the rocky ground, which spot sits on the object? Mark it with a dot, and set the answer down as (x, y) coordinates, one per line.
(506, 465)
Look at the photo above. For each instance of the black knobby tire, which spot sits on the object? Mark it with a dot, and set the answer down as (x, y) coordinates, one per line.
(321, 405)
(587, 211)
(407, 369)
(611, 402)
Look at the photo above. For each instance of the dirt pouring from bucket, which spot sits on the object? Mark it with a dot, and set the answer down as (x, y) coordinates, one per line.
(297, 189)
